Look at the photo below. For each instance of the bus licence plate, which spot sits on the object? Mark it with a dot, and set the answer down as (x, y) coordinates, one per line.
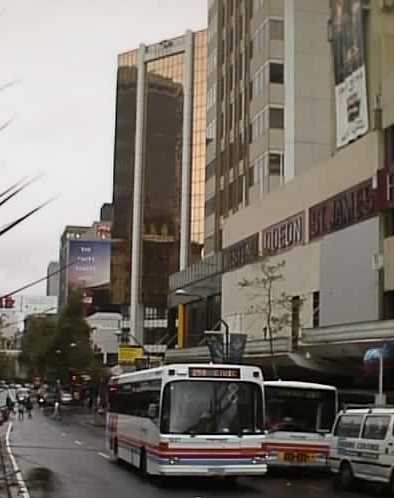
(296, 457)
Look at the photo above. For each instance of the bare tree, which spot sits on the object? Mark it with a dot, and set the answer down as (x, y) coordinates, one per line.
(275, 307)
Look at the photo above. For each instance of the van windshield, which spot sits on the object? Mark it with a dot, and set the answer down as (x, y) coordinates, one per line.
(212, 407)
(299, 410)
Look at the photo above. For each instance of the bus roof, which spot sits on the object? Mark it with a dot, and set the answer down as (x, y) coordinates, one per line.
(292, 384)
(152, 373)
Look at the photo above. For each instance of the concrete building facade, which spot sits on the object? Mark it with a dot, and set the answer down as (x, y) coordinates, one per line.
(53, 278)
(331, 224)
(268, 121)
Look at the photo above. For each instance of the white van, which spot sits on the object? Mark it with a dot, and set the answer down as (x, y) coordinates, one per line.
(362, 446)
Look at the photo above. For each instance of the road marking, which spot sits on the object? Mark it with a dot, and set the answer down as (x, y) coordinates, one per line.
(79, 443)
(104, 455)
(23, 492)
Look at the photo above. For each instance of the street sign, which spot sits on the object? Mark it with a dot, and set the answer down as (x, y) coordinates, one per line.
(127, 353)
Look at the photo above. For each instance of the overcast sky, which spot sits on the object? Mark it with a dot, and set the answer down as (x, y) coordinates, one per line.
(62, 53)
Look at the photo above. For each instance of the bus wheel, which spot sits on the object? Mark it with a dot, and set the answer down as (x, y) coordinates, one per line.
(143, 463)
(346, 478)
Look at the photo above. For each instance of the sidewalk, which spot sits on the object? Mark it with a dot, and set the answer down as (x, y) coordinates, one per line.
(11, 480)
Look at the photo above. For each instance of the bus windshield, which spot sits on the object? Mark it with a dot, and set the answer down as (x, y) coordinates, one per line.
(212, 407)
(299, 410)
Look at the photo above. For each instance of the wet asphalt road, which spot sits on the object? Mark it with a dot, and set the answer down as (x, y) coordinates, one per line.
(71, 457)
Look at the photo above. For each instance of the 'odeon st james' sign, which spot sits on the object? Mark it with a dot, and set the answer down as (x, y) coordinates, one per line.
(284, 235)
(345, 209)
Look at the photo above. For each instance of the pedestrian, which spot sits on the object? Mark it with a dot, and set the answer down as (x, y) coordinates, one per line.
(29, 406)
(21, 411)
(56, 411)
(10, 405)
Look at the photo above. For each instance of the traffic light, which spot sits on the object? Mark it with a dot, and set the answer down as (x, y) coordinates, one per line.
(7, 302)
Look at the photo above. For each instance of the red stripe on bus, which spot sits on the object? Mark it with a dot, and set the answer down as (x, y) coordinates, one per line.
(194, 452)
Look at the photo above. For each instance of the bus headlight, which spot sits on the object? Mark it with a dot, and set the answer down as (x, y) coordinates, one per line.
(173, 460)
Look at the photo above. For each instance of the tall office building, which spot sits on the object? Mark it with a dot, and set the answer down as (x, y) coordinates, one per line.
(269, 109)
(159, 176)
(53, 278)
(268, 114)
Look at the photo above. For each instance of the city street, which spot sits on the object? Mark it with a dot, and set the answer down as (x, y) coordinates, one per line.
(75, 455)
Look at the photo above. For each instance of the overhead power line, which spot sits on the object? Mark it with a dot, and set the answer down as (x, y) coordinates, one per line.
(35, 282)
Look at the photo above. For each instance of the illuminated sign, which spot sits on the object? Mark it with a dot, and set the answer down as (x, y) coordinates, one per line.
(343, 210)
(285, 234)
(221, 373)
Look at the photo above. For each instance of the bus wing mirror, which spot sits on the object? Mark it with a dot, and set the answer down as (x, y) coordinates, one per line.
(153, 410)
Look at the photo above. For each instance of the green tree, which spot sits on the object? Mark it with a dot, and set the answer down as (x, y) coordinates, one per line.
(37, 344)
(268, 301)
(71, 348)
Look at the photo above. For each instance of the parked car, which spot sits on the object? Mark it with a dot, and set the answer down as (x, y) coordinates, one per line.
(362, 446)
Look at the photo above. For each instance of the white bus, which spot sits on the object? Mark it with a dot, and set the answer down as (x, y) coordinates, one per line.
(299, 415)
(178, 420)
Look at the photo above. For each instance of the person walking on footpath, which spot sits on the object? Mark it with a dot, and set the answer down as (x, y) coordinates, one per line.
(21, 411)
(29, 407)
(56, 411)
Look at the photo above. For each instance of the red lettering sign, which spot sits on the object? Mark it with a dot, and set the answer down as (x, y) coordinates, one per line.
(343, 210)
(285, 234)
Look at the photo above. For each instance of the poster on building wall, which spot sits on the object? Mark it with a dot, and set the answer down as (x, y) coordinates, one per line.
(89, 270)
(349, 69)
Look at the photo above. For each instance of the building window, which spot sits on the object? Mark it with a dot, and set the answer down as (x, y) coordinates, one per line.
(388, 305)
(211, 96)
(389, 139)
(231, 40)
(231, 195)
(277, 30)
(276, 118)
(210, 169)
(276, 72)
(274, 165)
(211, 132)
(316, 309)
(230, 78)
(251, 175)
(241, 182)
(222, 124)
(295, 320)
(241, 27)
(210, 206)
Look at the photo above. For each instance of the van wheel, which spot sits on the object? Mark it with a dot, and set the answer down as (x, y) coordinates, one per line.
(143, 463)
(346, 478)
(391, 484)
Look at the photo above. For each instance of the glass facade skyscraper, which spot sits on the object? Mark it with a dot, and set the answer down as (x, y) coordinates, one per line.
(159, 160)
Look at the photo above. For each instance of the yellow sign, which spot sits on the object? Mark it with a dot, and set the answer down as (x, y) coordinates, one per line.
(128, 353)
